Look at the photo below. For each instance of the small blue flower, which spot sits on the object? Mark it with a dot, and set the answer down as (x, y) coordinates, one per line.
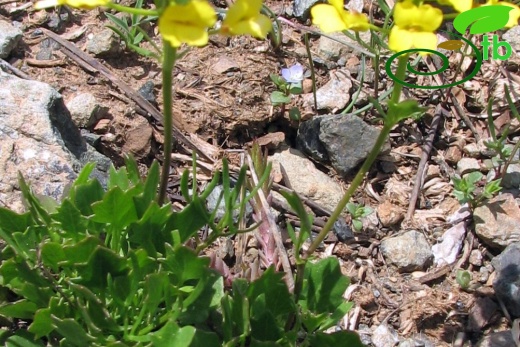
(294, 74)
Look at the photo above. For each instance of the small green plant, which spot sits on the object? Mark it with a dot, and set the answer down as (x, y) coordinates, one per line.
(463, 278)
(133, 34)
(467, 190)
(110, 268)
(357, 212)
(289, 83)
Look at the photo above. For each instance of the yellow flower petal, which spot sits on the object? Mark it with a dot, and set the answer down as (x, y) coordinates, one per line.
(258, 27)
(337, 4)
(86, 4)
(327, 18)
(425, 17)
(399, 39)
(458, 5)
(181, 33)
(358, 22)
(424, 40)
(244, 18)
(242, 9)
(187, 23)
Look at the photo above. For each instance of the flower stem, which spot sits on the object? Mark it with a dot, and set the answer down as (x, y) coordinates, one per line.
(169, 55)
(400, 74)
(388, 125)
(133, 10)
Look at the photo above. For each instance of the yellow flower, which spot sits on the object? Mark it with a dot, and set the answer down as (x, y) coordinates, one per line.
(244, 18)
(333, 17)
(87, 4)
(414, 27)
(187, 23)
(458, 5)
(514, 14)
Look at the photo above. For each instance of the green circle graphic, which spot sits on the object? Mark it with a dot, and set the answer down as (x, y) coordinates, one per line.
(445, 65)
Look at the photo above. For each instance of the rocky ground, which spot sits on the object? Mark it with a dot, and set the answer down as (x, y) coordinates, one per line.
(70, 93)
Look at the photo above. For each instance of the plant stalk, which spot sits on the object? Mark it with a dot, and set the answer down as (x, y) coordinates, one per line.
(388, 125)
(169, 54)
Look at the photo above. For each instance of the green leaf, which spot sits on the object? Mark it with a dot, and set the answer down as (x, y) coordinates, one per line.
(190, 220)
(340, 338)
(206, 339)
(72, 222)
(103, 262)
(34, 205)
(402, 110)
(11, 221)
(42, 323)
(118, 21)
(149, 193)
(463, 278)
(133, 171)
(279, 98)
(357, 224)
(295, 114)
(52, 254)
(80, 252)
(20, 309)
(22, 338)
(296, 88)
(155, 289)
(118, 178)
(270, 306)
(149, 232)
(117, 209)
(324, 286)
(277, 80)
(171, 335)
(473, 177)
(86, 194)
(73, 332)
(205, 297)
(184, 264)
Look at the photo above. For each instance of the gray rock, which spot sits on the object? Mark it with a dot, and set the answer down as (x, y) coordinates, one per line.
(308, 139)
(512, 36)
(214, 203)
(345, 140)
(105, 43)
(37, 139)
(355, 5)
(409, 251)
(91, 138)
(342, 231)
(467, 165)
(348, 140)
(500, 339)
(416, 341)
(447, 251)
(10, 36)
(306, 179)
(335, 94)
(497, 221)
(47, 46)
(472, 149)
(507, 279)
(339, 45)
(86, 110)
(481, 313)
(147, 92)
(301, 8)
(384, 336)
(100, 172)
